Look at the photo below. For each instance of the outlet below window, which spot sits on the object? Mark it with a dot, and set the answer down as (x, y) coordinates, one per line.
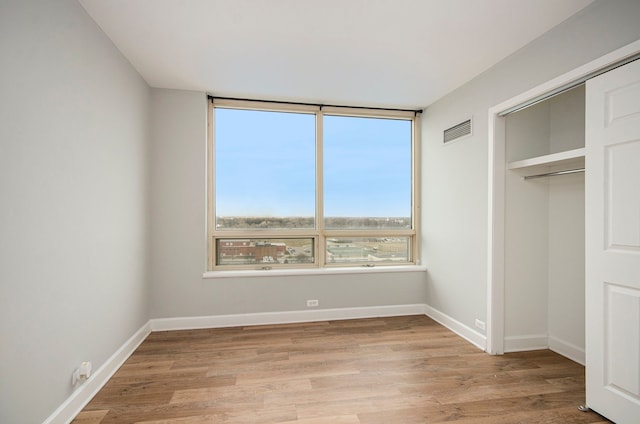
(312, 303)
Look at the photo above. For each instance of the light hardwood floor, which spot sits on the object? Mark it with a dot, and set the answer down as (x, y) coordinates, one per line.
(385, 370)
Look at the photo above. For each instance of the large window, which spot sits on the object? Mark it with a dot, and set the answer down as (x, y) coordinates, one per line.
(304, 186)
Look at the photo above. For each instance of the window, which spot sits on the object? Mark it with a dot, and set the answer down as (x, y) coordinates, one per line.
(305, 186)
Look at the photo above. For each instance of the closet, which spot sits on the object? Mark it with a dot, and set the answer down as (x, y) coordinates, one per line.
(545, 289)
(544, 233)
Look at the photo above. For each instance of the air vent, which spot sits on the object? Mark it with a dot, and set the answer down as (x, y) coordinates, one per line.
(457, 131)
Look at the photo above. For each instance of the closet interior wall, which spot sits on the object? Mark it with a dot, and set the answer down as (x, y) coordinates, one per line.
(544, 231)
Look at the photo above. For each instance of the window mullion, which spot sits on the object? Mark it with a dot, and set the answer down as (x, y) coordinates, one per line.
(369, 233)
(210, 188)
(416, 166)
(321, 247)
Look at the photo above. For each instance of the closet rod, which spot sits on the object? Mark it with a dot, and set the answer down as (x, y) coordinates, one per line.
(552, 174)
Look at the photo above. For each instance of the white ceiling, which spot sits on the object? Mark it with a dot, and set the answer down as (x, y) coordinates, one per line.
(377, 53)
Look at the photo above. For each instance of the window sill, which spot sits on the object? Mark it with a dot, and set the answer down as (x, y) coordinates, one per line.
(313, 271)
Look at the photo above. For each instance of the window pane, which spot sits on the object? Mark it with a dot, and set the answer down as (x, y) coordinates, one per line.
(264, 251)
(367, 173)
(368, 250)
(264, 169)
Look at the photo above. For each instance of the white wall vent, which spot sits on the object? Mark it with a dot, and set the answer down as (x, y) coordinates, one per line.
(457, 131)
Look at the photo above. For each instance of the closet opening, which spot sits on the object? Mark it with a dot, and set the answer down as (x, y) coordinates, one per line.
(544, 266)
(535, 296)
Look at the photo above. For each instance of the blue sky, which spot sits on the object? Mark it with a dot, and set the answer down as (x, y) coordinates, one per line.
(265, 165)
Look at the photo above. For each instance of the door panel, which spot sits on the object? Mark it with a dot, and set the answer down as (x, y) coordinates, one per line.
(623, 204)
(622, 340)
(612, 239)
(622, 104)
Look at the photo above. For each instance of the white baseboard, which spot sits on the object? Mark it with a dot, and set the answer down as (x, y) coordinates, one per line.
(543, 341)
(286, 317)
(568, 350)
(457, 327)
(524, 343)
(84, 393)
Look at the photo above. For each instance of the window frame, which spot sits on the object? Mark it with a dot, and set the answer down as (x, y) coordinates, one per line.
(319, 234)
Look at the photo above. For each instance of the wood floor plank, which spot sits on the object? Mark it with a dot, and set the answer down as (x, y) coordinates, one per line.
(91, 417)
(566, 415)
(364, 371)
(364, 405)
(336, 419)
(262, 389)
(484, 411)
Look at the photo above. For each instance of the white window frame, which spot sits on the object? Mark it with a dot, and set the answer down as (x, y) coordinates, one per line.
(319, 234)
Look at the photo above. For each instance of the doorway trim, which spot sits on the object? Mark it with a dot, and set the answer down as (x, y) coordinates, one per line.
(496, 186)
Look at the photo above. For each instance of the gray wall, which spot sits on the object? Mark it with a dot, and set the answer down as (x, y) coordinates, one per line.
(455, 176)
(178, 236)
(73, 187)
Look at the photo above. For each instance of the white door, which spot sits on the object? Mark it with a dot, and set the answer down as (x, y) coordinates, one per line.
(613, 244)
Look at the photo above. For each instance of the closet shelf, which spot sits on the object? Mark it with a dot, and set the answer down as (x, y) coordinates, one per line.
(562, 161)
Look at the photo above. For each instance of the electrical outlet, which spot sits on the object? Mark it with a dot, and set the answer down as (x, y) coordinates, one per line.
(480, 324)
(82, 373)
(85, 370)
(312, 303)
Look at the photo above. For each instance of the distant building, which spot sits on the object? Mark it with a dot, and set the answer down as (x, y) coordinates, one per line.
(269, 250)
(249, 251)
